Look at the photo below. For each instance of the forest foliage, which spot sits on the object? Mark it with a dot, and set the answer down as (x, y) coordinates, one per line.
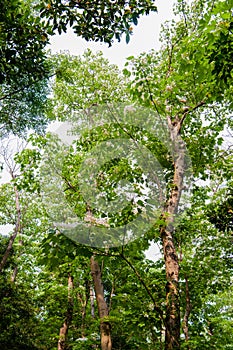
(61, 291)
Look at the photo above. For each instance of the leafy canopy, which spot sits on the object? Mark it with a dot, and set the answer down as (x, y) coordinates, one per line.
(95, 20)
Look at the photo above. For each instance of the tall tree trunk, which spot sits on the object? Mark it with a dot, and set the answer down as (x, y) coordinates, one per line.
(105, 327)
(16, 231)
(62, 342)
(172, 320)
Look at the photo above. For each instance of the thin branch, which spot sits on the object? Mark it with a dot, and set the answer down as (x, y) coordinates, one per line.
(184, 14)
(185, 113)
(156, 307)
(151, 95)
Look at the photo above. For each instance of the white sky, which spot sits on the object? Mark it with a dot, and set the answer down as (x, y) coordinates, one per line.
(145, 37)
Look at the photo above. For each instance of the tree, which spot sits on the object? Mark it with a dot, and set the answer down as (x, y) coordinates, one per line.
(16, 218)
(198, 102)
(83, 82)
(180, 85)
(105, 327)
(24, 63)
(204, 256)
(22, 43)
(98, 21)
(61, 256)
(24, 108)
(62, 342)
(19, 321)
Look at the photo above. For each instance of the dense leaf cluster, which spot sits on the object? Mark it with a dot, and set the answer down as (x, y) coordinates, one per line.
(96, 20)
(22, 43)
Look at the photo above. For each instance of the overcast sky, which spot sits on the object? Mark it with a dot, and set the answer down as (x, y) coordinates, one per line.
(145, 37)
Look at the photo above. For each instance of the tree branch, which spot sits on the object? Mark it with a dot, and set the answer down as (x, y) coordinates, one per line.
(156, 307)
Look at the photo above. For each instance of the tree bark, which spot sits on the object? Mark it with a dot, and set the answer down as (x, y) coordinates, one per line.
(14, 274)
(105, 327)
(172, 319)
(62, 342)
(92, 302)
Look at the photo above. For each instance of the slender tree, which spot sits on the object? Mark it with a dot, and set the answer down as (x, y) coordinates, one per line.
(105, 327)
(62, 342)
